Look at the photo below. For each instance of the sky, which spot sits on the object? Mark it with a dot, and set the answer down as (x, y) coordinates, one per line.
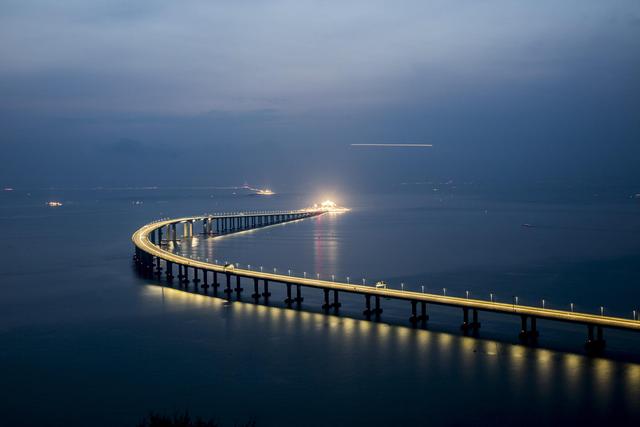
(186, 93)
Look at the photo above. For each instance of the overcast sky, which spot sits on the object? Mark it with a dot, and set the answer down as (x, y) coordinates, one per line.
(273, 92)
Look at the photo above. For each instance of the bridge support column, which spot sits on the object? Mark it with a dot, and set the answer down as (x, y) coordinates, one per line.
(205, 280)
(180, 273)
(595, 344)
(423, 317)
(378, 310)
(470, 326)
(228, 288)
(336, 302)
(266, 294)
(185, 278)
(414, 313)
(326, 305)
(526, 334)
(298, 299)
(288, 300)
(215, 282)
(367, 305)
(158, 268)
(238, 286)
(196, 280)
(256, 293)
(169, 272)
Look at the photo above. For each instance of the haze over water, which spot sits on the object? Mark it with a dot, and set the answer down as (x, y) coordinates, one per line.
(488, 148)
(101, 340)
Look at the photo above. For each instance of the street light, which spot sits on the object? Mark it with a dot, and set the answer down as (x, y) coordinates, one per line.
(423, 289)
(571, 307)
(289, 272)
(543, 302)
(348, 279)
(363, 280)
(304, 274)
(515, 299)
(275, 269)
(491, 296)
(402, 286)
(444, 291)
(260, 268)
(601, 310)
(467, 292)
(333, 278)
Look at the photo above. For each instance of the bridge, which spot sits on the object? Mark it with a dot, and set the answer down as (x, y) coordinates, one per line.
(151, 254)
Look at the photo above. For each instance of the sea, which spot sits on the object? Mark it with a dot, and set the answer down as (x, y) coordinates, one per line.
(85, 340)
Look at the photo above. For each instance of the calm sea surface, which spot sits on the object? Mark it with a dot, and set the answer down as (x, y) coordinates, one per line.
(85, 341)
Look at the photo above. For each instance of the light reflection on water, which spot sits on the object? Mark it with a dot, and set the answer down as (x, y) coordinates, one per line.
(535, 375)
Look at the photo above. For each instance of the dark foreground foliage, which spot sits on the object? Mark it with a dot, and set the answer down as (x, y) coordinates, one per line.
(182, 420)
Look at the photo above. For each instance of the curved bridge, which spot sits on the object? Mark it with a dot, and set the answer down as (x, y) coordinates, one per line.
(150, 255)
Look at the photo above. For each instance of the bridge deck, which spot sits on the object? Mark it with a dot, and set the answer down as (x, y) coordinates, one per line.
(141, 240)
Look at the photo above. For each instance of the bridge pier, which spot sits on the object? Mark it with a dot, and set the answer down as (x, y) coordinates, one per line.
(298, 299)
(527, 334)
(288, 300)
(367, 305)
(180, 273)
(377, 311)
(336, 303)
(228, 288)
(266, 294)
(469, 326)
(415, 317)
(596, 344)
(205, 281)
(169, 272)
(238, 285)
(158, 268)
(185, 278)
(196, 280)
(215, 282)
(256, 293)
(326, 305)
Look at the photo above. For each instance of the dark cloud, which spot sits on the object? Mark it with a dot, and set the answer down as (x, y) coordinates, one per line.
(502, 89)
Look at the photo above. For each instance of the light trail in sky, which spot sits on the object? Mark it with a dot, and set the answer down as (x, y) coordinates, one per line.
(391, 145)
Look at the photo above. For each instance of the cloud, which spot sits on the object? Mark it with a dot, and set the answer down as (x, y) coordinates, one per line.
(190, 57)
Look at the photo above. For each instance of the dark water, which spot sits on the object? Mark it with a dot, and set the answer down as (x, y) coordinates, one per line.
(85, 341)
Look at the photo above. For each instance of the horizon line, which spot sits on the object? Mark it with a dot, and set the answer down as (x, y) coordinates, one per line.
(391, 145)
